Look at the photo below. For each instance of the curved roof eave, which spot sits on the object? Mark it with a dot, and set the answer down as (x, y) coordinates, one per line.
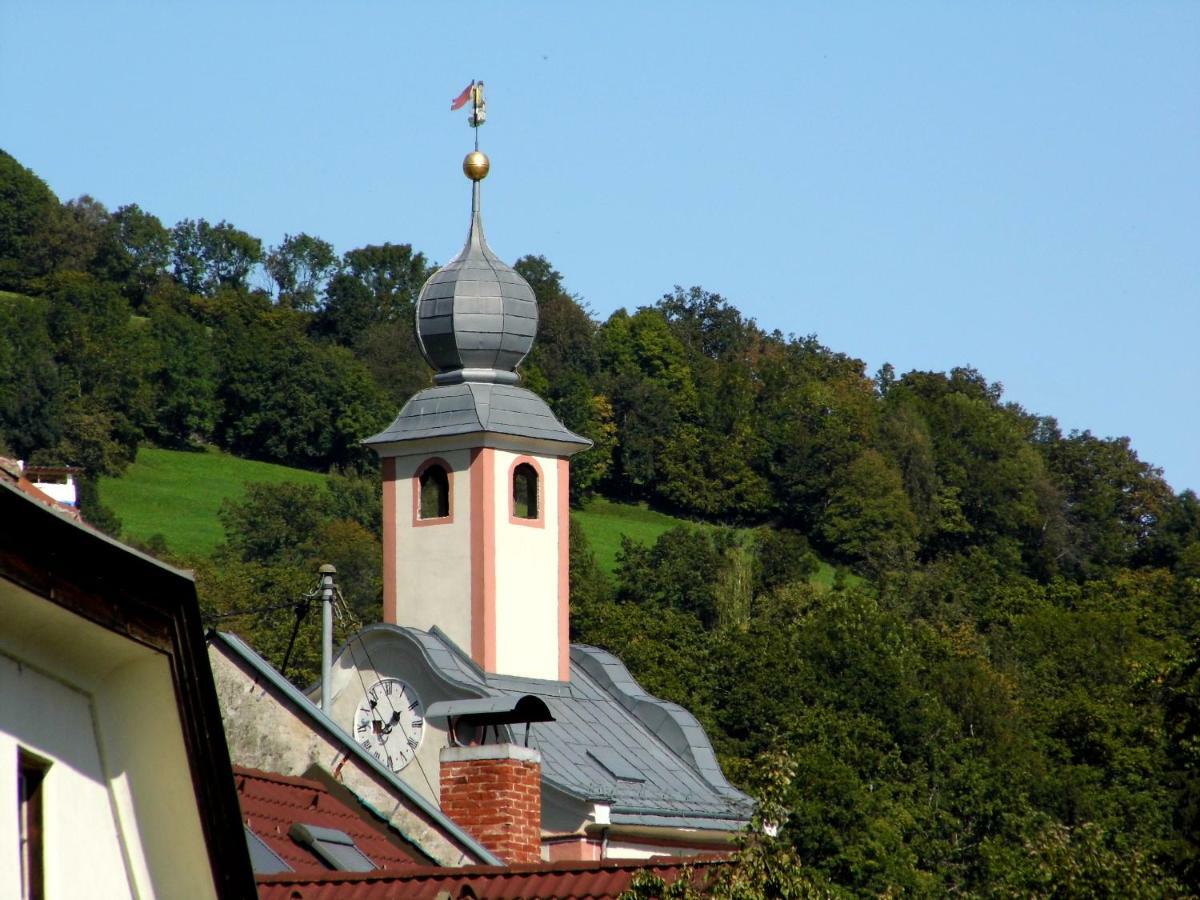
(674, 724)
(473, 408)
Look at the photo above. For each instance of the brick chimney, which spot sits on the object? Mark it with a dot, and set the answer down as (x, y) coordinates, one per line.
(494, 792)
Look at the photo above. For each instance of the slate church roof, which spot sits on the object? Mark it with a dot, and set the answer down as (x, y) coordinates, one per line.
(611, 742)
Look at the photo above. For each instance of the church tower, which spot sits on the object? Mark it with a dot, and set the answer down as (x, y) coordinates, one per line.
(476, 474)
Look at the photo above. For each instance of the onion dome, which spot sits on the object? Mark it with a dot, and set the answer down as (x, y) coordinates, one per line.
(476, 320)
(476, 317)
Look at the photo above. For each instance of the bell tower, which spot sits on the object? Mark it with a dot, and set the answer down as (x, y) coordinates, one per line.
(476, 473)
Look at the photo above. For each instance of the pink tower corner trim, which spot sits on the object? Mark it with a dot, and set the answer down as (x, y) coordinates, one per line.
(564, 570)
(390, 587)
(483, 559)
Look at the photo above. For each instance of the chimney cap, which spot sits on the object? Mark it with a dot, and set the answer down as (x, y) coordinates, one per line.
(506, 710)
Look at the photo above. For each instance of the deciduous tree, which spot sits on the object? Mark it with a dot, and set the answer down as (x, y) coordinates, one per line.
(209, 257)
(300, 267)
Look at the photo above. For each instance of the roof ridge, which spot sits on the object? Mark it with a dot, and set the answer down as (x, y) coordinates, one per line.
(295, 780)
(415, 873)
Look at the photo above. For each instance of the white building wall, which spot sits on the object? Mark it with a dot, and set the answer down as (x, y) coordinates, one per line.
(527, 561)
(433, 562)
(120, 817)
(83, 855)
(150, 780)
(351, 671)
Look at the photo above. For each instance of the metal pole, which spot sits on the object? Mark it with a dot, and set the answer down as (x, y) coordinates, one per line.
(327, 572)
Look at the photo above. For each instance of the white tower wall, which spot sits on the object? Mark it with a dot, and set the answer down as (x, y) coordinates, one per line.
(429, 582)
(527, 565)
(495, 583)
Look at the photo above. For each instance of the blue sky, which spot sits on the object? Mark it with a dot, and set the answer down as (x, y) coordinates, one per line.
(1010, 186)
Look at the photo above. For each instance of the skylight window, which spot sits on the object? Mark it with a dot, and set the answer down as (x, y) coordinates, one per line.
(334, 848)
(616, 765)
(263, 859)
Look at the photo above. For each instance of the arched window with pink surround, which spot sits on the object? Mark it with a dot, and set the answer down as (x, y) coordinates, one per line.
(526, 496)
(433, 490)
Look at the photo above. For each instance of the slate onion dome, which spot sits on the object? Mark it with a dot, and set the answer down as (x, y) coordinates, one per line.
(476, 317)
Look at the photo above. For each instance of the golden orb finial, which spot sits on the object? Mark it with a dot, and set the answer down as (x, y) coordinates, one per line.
(476, 165)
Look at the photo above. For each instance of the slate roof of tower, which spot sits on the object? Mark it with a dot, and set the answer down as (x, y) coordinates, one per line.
(476, 319)
(606, 729)
(475, 407)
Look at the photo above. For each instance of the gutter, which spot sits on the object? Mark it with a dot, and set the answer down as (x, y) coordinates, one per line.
(660, 813)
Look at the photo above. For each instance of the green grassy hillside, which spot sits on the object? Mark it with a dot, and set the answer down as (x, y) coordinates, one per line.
(177, 494)
(605, 522)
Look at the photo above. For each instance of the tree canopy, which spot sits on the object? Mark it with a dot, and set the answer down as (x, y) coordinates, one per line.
(998, 693)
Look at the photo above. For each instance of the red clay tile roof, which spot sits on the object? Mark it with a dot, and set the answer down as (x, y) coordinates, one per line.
(528, 881)
(272, 803)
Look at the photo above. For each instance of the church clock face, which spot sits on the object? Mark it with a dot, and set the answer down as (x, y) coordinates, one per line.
(390, 722)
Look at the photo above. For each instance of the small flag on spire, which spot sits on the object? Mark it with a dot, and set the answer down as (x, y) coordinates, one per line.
(461, 100)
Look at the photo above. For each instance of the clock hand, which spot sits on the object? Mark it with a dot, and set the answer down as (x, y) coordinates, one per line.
(377, 723)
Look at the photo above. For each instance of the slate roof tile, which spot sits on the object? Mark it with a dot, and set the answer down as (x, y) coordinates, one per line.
(470, 408)
(601, 706)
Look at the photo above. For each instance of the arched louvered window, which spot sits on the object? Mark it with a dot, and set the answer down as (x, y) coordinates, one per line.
(525, 492)
(435, 492)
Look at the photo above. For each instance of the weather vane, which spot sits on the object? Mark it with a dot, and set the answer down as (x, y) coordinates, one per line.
(476, 165)
(478, 113)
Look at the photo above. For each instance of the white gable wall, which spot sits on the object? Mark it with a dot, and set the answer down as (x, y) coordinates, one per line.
(83, 851)
(265, 733)
(119, 811)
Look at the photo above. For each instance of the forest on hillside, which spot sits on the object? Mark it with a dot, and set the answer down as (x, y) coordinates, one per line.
(1000, 694)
